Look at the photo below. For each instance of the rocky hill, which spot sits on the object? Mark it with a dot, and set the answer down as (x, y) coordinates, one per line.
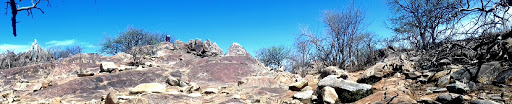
(467, 71)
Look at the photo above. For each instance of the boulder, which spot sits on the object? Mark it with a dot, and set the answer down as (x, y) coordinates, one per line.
(211, 49)
(377, 71)
(180, 45)
(172, 81)
(58, 100)
(505, 77)
(390, 96)
(464, 75)
(329, 95)
(111, 98)
(333, 81)
(237, 50)
(194, 87)
(488, 71)
(444, 62)
(448, 98)
(148, 88)
(108, 67)
(443, 81)
(457, 87)
(297, 86)
(334, 70)
(306, 95)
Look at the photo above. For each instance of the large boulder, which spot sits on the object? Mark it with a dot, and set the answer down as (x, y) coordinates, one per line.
(488, 72)
(464, 75)
(348, 90)
(504, 77)
(237, 50)
(335, 82)
(211, 49)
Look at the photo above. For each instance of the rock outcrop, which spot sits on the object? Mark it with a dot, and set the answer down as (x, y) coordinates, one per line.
(237, 50)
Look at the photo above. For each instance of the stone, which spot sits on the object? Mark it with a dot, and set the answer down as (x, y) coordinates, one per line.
(194, 87)
(464, 75)
(389, 96)
(439, 90)
(297, 86)
(488, 71)
(333, 81)
(210, 91)
(449, 98)
(111, 98)
(505, 77)
(444, 98)
(303, 95)
(457, 87)
(329, 95)
(172, 81)
(57, 100)
(211, 49)
(445, 62)
(237, 50)
(334, 70)
(482, 102)
(107, 67)
(148, 88)
(149, 64)
(425, 100)
(443, 81)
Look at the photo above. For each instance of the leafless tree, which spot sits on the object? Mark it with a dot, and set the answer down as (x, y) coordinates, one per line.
(424, 21)
(344, 39)
(303, 48)
(486, 15)
(15, 8)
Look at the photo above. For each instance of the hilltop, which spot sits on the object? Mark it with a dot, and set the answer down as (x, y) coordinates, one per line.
(474, 70)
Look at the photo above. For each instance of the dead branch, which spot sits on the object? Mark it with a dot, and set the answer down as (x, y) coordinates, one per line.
(15, 9)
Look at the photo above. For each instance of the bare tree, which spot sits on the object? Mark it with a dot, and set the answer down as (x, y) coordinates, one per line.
(303, 48)
(15, 8)
(487, 16)
(335, 47)
(424, 20)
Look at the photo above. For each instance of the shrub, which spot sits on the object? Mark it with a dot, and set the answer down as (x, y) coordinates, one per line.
(130, 38)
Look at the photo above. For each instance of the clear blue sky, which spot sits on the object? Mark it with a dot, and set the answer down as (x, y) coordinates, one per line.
(252, 23)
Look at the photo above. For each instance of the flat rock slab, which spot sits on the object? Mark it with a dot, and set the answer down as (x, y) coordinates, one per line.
(93, 87)
(334, 82)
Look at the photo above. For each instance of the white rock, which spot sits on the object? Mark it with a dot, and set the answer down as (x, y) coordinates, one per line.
(303, 95)
(148, 88)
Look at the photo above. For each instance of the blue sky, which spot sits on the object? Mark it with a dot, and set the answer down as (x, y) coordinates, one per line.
(252, 23)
